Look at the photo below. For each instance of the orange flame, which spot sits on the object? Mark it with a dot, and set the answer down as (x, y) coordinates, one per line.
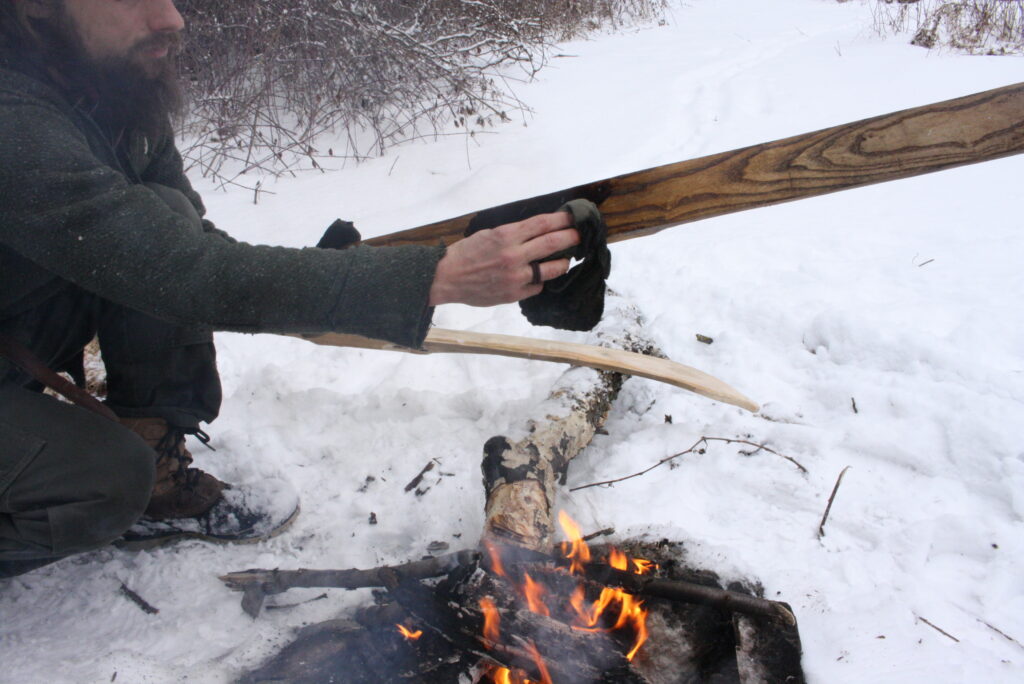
(579, 554)
(640, 623)
(408, 633)
(495, 556)
(644, 566)
(502, 675)
(618, 560)
(589, 615)
(631, 613)
(545, 676)
(492, 621)
(535, 596)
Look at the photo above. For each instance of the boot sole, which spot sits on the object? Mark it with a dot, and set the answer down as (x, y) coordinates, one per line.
(156, 541)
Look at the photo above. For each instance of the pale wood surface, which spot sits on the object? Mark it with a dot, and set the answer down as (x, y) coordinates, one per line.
(440, 340)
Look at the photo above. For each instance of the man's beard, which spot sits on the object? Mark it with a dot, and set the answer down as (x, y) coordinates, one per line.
(124, 93)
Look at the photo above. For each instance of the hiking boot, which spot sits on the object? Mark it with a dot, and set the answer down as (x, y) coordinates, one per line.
(244, 514)
(179, 491)
(188, 503)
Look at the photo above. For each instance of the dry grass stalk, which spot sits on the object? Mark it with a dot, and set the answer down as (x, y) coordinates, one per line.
(990, 27)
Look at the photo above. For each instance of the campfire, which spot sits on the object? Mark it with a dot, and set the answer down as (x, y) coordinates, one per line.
(523, 609)
(507, 616)
(613, 611)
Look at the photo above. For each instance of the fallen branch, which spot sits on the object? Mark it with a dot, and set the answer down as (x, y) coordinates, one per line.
(831, 498)
(415, 482)
(938, 629)
(142, 603)
(1000, 632)
(693, 449)
(606, 532)
(258, 584)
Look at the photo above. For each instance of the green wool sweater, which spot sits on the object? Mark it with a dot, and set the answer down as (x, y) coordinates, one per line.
(72, 212)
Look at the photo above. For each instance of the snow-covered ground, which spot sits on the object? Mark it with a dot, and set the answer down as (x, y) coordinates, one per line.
(904, 298)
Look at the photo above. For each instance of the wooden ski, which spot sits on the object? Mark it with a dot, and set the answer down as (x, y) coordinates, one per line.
(966, 130)
(440, 341)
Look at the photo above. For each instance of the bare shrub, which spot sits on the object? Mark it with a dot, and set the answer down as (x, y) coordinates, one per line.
(991, 27)
(268, 78)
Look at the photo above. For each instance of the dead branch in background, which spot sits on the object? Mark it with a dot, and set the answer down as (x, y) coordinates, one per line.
(268, 77)
(694, 449)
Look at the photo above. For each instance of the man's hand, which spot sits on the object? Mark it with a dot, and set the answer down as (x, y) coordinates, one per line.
(495, 266)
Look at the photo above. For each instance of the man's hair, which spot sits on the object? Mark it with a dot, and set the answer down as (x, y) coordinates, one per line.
(28, 44)
(117, 95)
(18, 38)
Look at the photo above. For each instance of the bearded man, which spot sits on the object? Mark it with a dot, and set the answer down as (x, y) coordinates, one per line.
(102, 235)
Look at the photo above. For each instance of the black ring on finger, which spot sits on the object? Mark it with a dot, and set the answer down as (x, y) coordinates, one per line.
(536, 280)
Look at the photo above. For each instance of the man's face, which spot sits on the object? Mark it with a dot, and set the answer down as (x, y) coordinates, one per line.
(142, 32)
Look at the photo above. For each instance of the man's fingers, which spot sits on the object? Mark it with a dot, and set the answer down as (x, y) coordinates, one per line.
(541, 224)
(540, 272)
(547, 244)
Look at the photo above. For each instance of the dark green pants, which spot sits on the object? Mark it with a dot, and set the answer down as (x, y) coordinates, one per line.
(71, 480)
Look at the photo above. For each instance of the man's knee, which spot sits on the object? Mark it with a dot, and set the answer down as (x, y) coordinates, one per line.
(130, 468)
(120, 481)
(79, 480)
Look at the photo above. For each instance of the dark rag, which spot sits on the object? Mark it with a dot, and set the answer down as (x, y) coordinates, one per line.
(575, 301)
(340, 235)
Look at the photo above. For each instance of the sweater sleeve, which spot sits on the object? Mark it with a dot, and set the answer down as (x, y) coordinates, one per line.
(67, 212)
(167, 168)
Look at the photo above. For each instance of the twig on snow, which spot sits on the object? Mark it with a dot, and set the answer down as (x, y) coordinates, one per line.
(831, 498)
(937, 629)
(999, 632)
(138, 600)
(694, 449)
(415, 482)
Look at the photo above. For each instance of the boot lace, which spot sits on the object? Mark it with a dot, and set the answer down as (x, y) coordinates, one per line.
(172, 446)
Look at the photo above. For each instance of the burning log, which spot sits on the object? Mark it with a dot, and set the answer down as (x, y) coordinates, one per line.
(521, 475)
(482, 615)
(641, 585)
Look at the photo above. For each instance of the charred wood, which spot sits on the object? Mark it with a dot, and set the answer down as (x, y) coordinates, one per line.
(688, 592)
(258, 584)
(767, 652)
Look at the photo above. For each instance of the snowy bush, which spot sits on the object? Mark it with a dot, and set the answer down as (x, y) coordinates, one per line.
(993, 27)
(268, 77)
